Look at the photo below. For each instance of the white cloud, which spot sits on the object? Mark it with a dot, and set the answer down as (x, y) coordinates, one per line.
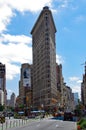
(75, 84)
(12, 54)
(12, 70)
(15, 38)
(59, 59)
(79, 81)
(74, 78)
(77, 88)
(28, 5)
(5, 16)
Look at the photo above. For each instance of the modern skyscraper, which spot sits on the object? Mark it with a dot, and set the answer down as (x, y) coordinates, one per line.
(44, 61)
(76, 98)
(3, 81)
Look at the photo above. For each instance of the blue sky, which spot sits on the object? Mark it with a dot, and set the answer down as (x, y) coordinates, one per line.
(17, 18)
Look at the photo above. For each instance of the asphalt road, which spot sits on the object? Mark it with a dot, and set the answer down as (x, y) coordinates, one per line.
(48, 124)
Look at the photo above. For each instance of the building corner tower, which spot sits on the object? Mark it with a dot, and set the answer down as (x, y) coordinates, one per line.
(44, 61)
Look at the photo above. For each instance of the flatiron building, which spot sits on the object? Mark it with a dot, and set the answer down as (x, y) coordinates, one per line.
(44, 61)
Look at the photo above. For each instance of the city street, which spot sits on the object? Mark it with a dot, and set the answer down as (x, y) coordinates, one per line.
(47, 124)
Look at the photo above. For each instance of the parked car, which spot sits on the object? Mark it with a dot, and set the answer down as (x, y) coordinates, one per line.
(68, 116)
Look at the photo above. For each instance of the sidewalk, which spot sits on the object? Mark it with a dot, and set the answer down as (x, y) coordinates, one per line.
(11, 123)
